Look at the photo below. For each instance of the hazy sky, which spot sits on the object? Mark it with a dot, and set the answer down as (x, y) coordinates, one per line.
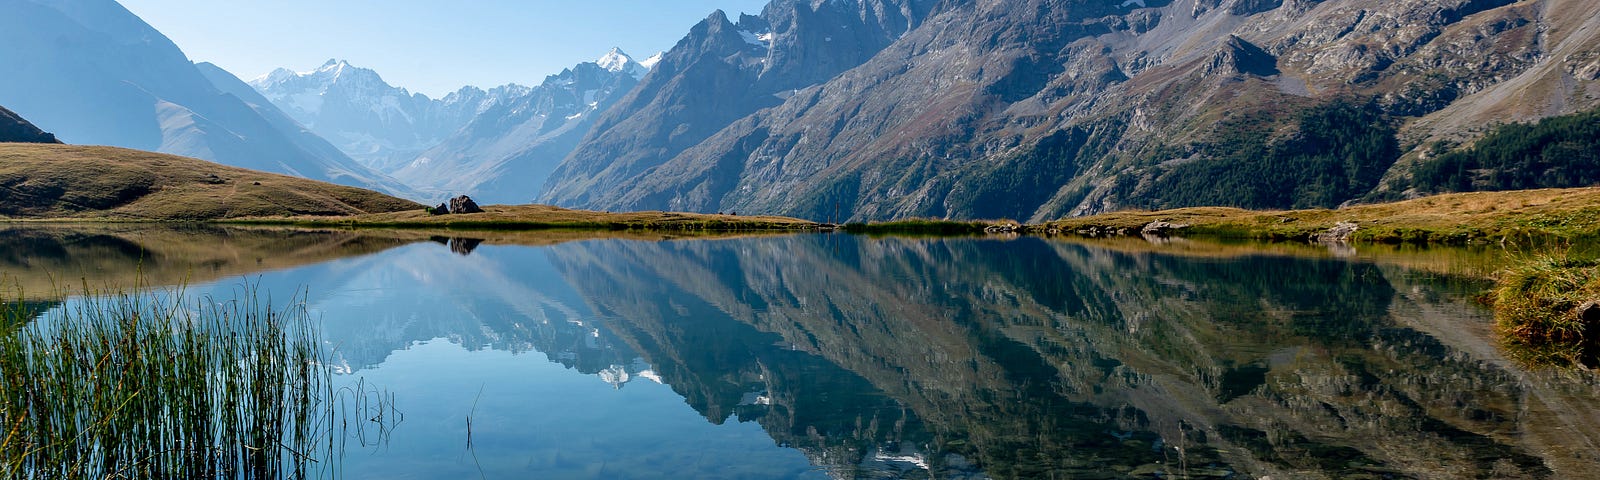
(427, 46)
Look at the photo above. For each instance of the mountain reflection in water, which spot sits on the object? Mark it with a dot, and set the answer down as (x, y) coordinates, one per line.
(942, 358)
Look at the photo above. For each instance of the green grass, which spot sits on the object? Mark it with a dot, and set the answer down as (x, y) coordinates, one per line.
(144, 385)
(1537, 309)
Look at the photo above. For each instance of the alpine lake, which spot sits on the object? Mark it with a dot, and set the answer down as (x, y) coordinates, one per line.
(556, 355)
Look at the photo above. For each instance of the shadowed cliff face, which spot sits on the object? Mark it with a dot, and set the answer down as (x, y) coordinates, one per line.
(1025, 358)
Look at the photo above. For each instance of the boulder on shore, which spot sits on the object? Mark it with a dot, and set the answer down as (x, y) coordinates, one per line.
(464, 204)
(1340, 233)
(1161, 228)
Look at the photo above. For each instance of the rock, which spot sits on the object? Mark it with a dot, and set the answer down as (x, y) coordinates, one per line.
(1002, 228)
(1162, 228)
(1340, 233)
(464, 246)
(442, 209)
(464, 204)
(1589, 313)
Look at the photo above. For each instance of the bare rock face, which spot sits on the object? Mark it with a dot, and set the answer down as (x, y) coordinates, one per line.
(463, 205)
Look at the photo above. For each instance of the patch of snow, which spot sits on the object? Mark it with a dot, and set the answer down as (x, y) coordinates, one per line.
(913, 459)
(753, 39)
(1140, 3)
(650, 63)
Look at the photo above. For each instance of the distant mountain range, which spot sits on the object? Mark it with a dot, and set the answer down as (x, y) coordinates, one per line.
(94, 73)
(506, 153)
(377, 124)
(498, 145)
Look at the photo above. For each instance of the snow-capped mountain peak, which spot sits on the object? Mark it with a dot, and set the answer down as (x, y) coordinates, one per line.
(618, 61)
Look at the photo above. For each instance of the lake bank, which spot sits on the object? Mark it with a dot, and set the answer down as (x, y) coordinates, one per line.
(1453, 219)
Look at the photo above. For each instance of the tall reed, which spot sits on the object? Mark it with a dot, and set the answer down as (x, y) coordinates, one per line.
(160, 385)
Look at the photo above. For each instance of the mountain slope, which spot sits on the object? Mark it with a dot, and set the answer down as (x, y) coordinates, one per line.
(14, 128)
(54, 181)
(723, 71)
(1035, 109)
(505, 154)
(97, 74)
(379, 125)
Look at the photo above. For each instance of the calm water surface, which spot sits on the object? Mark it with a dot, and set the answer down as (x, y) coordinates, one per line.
(836, 356)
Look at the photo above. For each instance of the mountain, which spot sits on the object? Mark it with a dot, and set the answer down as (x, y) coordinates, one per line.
(505, 154)
(14, 128)
(57, 181)
(379, 125)
(1036, 109)
(722, 72)
(96, 74)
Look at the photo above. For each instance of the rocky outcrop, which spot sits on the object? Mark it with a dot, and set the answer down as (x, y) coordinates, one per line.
(1340, 233)
(13, 128)
(1161, 228)
(463, 205)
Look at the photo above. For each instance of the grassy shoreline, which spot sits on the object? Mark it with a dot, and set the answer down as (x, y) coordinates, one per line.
(1451, 219)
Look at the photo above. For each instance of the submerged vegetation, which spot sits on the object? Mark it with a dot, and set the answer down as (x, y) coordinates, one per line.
(134, 385)
(1548, 309)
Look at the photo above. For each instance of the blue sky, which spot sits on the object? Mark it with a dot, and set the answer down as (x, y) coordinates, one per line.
(427, 46)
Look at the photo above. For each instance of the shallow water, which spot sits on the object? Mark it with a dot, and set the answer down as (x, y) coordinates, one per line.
(838, 356)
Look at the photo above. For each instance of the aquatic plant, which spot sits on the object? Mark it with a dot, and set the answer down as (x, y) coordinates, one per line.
(159, 385)
(1547, 309)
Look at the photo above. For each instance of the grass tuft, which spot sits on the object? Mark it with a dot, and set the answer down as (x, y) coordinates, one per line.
(1542, 307)
(152, 385)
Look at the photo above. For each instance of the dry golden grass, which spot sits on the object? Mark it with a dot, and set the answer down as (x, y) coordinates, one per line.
(1451, 218)
(84, 182)
(523, 217)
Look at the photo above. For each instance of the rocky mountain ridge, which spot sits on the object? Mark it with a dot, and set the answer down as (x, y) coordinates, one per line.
(1036, 109)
